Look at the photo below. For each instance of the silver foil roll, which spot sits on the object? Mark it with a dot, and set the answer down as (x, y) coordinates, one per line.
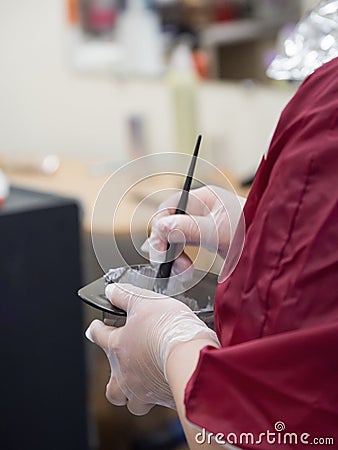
(313, 42)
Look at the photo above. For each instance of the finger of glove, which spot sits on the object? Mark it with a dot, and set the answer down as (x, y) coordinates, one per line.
(174, 229)
(183, 268)
(200, 202)
(138, 407)
(182, 229)
(156, 245)
(162, 212)
(114, 393)
(166, 208)
(157, 248)
(100, 334)
(124, 295)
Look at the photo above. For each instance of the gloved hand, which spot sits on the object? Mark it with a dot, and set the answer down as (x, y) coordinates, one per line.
(211, 218)
(138, 351)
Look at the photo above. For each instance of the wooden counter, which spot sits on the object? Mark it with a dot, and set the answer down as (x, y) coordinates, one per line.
(129, 203)
(75, 179)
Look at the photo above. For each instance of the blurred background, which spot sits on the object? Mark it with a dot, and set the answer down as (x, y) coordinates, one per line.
(86, 86)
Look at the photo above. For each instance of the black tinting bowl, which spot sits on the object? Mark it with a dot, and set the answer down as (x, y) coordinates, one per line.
(198, 293)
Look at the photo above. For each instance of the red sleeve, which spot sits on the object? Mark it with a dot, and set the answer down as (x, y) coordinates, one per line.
(277, 315)
(247, 379)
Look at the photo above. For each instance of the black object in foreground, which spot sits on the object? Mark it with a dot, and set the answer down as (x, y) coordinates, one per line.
(164, 270)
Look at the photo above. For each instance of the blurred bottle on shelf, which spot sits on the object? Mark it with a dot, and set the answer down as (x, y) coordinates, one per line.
(73, 25)
(182, 81)
(136, 136)
(224, 10)
(90, 43)
(99, 16)
(138, 33)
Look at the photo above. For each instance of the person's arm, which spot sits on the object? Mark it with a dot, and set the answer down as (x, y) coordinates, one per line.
(181, 364)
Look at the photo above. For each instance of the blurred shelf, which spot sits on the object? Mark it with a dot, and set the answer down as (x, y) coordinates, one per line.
(236, 48)
(234, 32)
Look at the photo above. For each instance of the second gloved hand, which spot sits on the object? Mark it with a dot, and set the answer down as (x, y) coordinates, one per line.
(212, 217)
(138, 351)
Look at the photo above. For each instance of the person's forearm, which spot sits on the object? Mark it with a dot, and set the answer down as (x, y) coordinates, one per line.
(181, 364)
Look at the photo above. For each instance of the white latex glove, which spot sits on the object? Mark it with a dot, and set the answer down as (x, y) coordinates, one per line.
(138, 351)
(212, 216)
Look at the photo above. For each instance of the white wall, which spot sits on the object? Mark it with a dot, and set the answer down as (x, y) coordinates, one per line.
(45, 107)
(241, 119)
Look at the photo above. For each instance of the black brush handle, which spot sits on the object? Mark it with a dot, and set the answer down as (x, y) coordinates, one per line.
(164, 270)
